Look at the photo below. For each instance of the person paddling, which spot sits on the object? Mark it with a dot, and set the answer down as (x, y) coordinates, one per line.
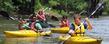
(42, 18)
(29, 25)
(64, 22)
(74, 27)
(41, 15)
(35, 25)
(23, 25)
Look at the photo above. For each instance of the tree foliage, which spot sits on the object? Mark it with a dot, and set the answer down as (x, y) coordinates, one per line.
(106, 9)
(62, 6)
(6, 5)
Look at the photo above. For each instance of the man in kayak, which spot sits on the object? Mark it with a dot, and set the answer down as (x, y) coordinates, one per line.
(79, 28)
(64, 22)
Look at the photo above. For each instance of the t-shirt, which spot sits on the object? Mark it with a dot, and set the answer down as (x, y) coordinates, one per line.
(38, 26)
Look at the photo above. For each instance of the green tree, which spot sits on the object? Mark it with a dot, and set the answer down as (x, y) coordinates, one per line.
(6, 5)
(106, 9)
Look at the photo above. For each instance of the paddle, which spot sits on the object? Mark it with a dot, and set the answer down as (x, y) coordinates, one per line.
(92, 13)
(85, 20)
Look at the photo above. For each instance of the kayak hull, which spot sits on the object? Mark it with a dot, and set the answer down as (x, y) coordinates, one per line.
(24, 33)
(62, 30)
(80, 40)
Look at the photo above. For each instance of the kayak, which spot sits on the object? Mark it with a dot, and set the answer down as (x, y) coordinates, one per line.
(25, 33)
(62, 30)
(79, 40)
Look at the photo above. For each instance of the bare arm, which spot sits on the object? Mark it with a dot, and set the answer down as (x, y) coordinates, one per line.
(20, 27)
(89, 24)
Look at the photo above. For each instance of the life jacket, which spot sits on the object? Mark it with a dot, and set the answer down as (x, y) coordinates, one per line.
(41, 17)
(79, 30)
(64, 23)
(32, 25)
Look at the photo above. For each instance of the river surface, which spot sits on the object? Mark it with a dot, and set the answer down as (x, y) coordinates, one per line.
(100, 29)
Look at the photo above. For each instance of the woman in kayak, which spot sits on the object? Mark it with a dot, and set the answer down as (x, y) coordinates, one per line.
(35, 24)
(31, 25)
(23, 24)
(41, 15)
(64, 22)
(42, 19)
(77, 27)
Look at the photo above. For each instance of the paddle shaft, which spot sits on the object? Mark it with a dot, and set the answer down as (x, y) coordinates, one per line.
(90, 16)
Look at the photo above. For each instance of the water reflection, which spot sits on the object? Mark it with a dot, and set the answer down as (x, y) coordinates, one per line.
(101, 28)
(27, 40)
(31, 40)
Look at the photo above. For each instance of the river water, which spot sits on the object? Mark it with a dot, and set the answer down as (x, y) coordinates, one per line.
(100, 29)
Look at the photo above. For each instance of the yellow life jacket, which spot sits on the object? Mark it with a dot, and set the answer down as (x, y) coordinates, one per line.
(79, 30)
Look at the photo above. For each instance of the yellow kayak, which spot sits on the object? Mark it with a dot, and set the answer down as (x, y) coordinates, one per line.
(79, 40)
(60, 30)
(25, 33)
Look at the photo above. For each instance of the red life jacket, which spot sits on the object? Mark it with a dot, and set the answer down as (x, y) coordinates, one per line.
(41, 17)
(64, 23)
(32, 25)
